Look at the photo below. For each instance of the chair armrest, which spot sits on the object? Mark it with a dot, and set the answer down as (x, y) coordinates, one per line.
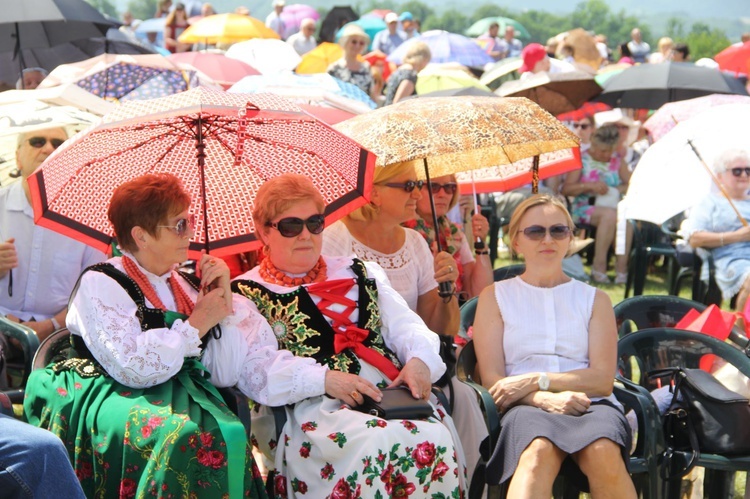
(26, 336)
(650, 441)
(489, 411)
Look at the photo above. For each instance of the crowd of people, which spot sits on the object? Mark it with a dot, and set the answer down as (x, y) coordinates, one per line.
(324, 319)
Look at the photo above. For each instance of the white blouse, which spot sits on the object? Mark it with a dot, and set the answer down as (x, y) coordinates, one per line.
(276, 377)
(411, 269)
(104, 315)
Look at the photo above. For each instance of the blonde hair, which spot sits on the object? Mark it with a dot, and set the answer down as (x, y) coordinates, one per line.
(418, 52)
(532, 202)
(281, 193)
(383, 174)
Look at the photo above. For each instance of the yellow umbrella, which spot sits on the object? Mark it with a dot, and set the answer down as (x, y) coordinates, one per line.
(226, 28)
(439, 78)
(319, 58)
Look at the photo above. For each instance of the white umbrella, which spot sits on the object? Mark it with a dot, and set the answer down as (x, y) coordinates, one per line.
(68, 94)
(265, 55)
(669, 178)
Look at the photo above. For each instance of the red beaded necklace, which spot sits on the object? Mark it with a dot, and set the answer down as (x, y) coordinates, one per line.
(271, 274)
(184, 303)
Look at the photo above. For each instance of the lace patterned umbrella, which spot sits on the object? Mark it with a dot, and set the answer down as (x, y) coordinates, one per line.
(671, 113)
(194, 135)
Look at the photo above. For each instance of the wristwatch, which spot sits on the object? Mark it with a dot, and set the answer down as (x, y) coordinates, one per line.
(543, 382)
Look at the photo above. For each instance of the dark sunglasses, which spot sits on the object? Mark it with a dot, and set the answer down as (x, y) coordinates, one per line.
(537, 232)
(408, 186)
(292, 226)
(737, 172)
(582, 126)
(182, 227)
(39, 142)
(449, 188)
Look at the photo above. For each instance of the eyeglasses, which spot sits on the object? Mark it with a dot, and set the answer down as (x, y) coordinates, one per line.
(582, 126)
(292, 226)
(182, 227)
(408, 186)
(39, 142)
(449, 188)
(537, 232)
(737, 172)
(357, 42)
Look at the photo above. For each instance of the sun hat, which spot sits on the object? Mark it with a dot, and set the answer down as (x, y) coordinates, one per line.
(391, 17)
(278, 3)
(531, 54)
(350, 30)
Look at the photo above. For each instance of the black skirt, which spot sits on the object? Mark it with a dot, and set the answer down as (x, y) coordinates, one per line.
(522, 424)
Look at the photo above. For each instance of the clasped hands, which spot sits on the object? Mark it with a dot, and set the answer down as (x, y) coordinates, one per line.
(511, 390)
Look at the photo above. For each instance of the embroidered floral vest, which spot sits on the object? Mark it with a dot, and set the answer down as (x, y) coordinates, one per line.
(303, 330)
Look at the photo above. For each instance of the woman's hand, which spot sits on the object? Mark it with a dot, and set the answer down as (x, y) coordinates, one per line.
(415, 375)
(349, 388)
(509, 390)
(214, 274)
(445, 267)
(210, 309)
(8, 256)
(598, 187)
(571, 403)
(480, 227)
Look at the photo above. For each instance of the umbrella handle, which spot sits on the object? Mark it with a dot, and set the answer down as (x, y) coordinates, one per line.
(445, 289)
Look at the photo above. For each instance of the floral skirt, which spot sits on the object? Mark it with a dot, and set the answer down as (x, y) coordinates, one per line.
(176, 439)
(327, 449)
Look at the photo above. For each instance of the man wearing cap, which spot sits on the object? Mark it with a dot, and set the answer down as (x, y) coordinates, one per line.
(389, 39)
(510, 45)
(38, 267)
(535, 60)
(274, 20)
(409, 27)
(303, 41)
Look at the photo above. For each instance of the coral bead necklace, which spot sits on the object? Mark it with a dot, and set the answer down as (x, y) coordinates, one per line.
(184, 304)
(271, 274)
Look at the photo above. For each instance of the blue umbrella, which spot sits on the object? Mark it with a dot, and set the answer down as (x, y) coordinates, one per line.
(446, 47)
(370, 24)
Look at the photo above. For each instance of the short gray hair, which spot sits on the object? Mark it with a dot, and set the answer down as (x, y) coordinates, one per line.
(19, 82)
(726, 158)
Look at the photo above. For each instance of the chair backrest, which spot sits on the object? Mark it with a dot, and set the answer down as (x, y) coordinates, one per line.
(649, 311)
(468, 310)
(53, 345)
(508, 272)
(26, 337)
(649, 234)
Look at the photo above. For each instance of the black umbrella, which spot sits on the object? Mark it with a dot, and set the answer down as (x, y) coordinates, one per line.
(26, 24)
(336, 17)
(649, 86)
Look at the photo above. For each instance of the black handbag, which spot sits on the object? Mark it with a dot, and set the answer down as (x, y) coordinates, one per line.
(397, 403)
(704, 416)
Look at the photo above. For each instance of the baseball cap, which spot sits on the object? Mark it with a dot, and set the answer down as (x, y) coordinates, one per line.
(279, 3)
(531, 54)
(391, 17)
(406, 16)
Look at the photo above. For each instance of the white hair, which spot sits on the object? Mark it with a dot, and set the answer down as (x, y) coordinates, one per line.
(726, 158)
(19, 82)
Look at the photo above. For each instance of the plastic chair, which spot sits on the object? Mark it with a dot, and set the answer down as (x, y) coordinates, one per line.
(26, 337)
(508, 272)
(658, 348)
(643, 461)
(648, 241)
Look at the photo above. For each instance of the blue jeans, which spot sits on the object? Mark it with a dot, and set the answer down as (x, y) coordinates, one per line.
(34, 463)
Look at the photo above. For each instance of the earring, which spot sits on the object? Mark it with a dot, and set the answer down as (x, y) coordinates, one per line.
(266, 250)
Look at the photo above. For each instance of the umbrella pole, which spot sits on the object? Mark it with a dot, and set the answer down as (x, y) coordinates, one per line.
(19, 52)
(477, 239)
(445, 289)
(535, 175)
(200, 147)
(718, 183)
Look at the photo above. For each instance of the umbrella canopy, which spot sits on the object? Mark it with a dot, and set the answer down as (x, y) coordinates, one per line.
(502, 71)
(67, 94)
(455, 92)
(669, 178)
(294, 14)
(319, 58)
(155, 25)
(650, 86)
(584, 47)
(226, 28)
(667, 116)
(378, 59)
(483, 25)
(126, 77)
(735, 59)
(446, 47)
(334, 20)
(221, 69)
(381, 13)
(556, 92)
(321, 89)
(435, 77)
(266, 55)
(587, 110)
(222, 146)
(458, 134)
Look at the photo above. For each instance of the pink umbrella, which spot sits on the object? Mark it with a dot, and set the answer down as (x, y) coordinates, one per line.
(663, 120)
(223, 70)
(292, 15)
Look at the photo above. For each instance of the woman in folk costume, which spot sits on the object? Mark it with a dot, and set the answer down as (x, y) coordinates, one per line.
(136, 402)
(337, 332)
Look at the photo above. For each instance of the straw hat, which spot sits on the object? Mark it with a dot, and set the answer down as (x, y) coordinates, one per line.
(353, 30)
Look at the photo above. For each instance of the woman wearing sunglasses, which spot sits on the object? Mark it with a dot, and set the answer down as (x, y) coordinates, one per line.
(546, 350)
(350, 68)
(714, 225)
(473, 265)
(133, 402)
(337, 333)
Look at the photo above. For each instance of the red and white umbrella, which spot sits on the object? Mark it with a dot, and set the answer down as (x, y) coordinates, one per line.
(222, 146)
(221, 69)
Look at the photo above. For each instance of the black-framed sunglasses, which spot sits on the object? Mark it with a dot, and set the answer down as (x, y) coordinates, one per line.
(39, 142)
(738, 171)
(292, 226)
(449, 187)
(537, 232)
(182, 227)
(408, 186)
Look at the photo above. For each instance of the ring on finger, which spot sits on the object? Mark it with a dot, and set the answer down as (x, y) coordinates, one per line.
(212, 262)
(354, 394)
(450, 270)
